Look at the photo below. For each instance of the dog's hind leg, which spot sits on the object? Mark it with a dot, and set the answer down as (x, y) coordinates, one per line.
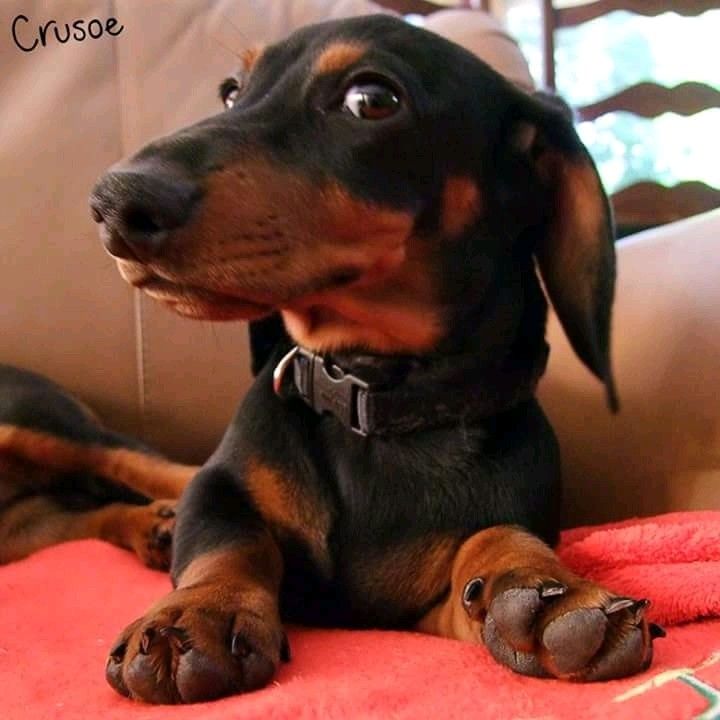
(53, 490)
(32, 523)
(148, 475)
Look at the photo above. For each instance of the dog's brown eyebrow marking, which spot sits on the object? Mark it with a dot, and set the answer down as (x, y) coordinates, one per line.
(338, 56)
(250, 56)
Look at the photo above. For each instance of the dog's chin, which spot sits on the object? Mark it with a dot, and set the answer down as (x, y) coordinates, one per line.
(217, 312)
(202, 304)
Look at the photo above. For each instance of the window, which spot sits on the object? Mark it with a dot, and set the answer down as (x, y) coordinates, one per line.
(598, 58)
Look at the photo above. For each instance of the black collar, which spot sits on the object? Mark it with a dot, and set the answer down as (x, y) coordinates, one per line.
(412, 395)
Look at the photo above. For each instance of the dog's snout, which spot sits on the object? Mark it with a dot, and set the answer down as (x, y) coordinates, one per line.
(137, 209)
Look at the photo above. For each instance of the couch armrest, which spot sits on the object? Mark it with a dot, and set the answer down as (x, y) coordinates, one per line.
(662, 451)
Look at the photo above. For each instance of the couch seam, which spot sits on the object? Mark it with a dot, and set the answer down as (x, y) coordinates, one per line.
(138, 315)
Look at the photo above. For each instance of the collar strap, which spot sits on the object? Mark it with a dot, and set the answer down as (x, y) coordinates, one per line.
(368, 409)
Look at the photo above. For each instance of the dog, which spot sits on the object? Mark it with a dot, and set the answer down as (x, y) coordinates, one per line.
(379, 204)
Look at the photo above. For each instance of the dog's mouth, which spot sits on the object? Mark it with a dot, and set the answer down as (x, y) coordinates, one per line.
(191, 299)
(201, 303)
(195, 298)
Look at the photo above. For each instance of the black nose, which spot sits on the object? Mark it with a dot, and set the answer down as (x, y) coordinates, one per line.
(138, 207)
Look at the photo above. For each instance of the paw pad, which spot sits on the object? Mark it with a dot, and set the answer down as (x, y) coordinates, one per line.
(544, 627)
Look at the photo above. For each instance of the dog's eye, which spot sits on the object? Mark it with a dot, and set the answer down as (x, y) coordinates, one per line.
(371, 101)
(229, 92)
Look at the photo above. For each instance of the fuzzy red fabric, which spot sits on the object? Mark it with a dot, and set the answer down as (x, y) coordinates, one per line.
(61, 609)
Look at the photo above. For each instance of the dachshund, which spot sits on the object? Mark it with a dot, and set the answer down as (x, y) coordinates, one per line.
(382, 207)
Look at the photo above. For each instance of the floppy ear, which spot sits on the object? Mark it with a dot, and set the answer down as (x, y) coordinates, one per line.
(575, 252)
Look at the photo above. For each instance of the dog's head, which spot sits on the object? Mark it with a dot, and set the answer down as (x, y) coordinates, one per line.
(379, 186)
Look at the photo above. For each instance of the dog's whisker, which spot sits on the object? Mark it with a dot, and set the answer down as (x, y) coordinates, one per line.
(235, 52)
(235, 27)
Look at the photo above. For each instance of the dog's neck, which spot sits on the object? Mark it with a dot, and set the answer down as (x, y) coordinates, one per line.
(385, 395)
(490, 361)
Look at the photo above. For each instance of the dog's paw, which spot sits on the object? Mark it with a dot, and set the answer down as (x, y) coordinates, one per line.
(186, 650)
(151, 528)
(577, 630)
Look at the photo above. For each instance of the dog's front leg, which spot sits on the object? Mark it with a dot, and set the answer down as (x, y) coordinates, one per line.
(512, 592)
(219, 632)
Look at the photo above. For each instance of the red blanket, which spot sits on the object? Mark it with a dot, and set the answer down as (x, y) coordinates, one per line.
(61, 609)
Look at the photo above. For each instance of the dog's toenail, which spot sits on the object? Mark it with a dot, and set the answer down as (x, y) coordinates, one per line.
(117, 652)
(285, 654)
(178, 637)
(656, 631)
(166, 512)
(472, 591)
(163, 538)
(618, 604)
(551, 589)
(240, 647)
(146, 640)
(639, 609)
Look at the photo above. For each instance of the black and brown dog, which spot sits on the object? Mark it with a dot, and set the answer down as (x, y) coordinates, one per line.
(389, 196)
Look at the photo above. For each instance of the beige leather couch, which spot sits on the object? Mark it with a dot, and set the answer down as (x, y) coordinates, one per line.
(662, 451)
(69, 111)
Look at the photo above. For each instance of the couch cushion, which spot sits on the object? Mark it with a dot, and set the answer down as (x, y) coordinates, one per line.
(52, 661)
